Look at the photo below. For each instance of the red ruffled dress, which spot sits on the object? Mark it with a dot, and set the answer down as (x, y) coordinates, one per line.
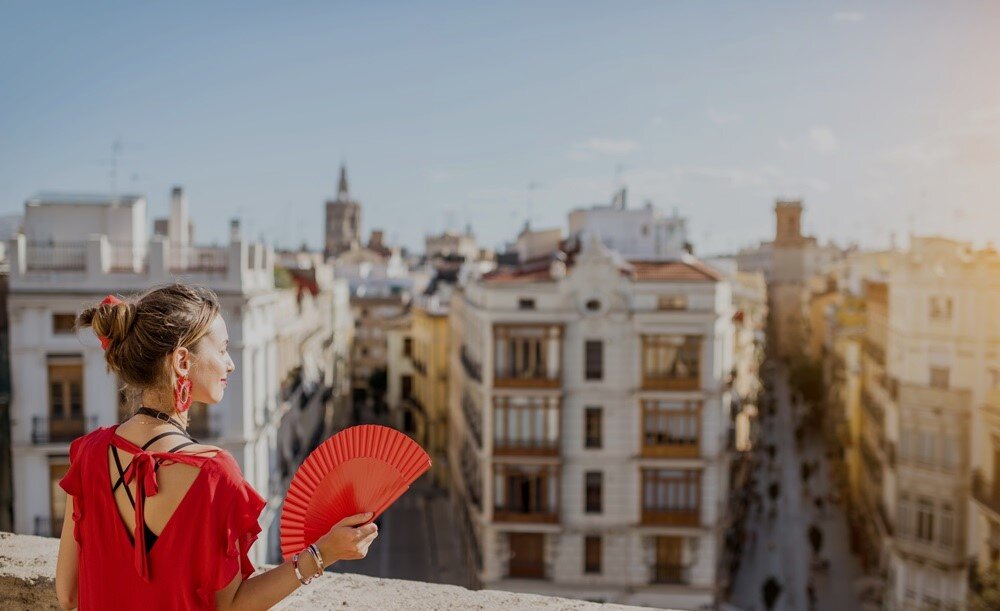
(194, 556)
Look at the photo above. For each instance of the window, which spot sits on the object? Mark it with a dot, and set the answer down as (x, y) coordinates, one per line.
(527, 355)
(594, 480)
(525, 304)
(949, 452)
(408, 346)
(65, 391)
(593, 305)
(939, 377)
(406, 386)
(592, 428)
(671, 424)
(63, 324)
(925, 521)
(671, 496)
(904, 516)
(525, 489)
(671, 302)
(940, 308)
(905, 436)
(594, 360)
(526, 424)
(671, 361)
(925, 447)
(947, 525)
(592, 555)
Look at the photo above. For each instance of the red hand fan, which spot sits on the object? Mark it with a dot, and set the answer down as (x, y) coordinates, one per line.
(360, 469)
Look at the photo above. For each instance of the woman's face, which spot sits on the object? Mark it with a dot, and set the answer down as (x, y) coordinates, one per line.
(212, 364)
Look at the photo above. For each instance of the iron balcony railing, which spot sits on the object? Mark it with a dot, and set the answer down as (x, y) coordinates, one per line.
(60, 430)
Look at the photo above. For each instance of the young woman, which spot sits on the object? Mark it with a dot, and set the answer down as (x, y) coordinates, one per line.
(154, 519)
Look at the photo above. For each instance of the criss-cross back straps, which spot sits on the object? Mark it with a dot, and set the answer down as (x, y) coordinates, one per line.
(142, 471)
(121, 470)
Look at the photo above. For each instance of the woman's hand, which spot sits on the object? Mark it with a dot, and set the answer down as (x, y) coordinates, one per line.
(347, 540)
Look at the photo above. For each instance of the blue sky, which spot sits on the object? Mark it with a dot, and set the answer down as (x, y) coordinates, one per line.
(883, 117)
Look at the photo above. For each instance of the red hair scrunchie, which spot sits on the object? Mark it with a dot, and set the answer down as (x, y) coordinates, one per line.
(112, 300)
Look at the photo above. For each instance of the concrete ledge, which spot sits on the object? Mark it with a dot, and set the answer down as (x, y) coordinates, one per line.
(28, 564)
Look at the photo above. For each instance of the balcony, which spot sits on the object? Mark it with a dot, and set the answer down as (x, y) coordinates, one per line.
(48, 527)
(986, 493)
(652, 516)
(526, 493)
(527, 356)
(872, 407)
(472, 369)
(60, 430)
(514, 378)
(61, 257)
(204, 259)
(671, 362)
(473, 419)
(526, 447)
(203, 424)
(671, 574)
(534, 515)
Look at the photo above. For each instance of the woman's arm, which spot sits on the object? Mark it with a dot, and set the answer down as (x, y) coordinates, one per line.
(66, 562)
(263, 591)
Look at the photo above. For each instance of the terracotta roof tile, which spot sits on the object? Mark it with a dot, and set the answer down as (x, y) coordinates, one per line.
(673, 271)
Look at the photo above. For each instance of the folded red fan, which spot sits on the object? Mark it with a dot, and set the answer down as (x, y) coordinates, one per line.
(360, 469)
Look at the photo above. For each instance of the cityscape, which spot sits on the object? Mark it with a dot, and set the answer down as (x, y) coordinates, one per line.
(631, 396)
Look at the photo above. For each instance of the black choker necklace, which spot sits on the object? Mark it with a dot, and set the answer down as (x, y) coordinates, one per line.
(159, 416)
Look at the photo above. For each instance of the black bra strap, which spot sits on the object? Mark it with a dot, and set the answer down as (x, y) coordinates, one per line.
(121, 471)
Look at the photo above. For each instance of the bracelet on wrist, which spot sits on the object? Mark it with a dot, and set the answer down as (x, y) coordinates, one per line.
(298, 574)
(319, 557)
(319, 564)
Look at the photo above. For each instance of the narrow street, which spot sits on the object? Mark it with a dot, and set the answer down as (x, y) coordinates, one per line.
(778, 542)
(416, 538)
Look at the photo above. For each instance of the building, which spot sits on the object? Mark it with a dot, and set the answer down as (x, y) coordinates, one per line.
(343, 220)
(313, 337)
(589, 424)
(74, 251)
(633, 232)
(452, 244)
(788, 262)
(911, 363)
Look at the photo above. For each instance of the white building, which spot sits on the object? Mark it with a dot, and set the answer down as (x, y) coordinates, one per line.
(635, 233)
(589, 423)
(929, 349)
(74, 251)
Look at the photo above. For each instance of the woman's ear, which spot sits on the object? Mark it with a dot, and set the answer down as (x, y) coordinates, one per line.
(181, 362)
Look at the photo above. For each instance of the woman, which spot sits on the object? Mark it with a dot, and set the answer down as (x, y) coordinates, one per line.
(155, 520)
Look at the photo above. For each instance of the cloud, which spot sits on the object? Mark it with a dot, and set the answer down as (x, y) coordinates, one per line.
(720, 117)
(848, 16)
(818, 138)
(822, 139)
(437, 176)
(603, 146)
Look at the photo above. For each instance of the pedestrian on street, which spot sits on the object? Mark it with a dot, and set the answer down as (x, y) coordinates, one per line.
(811, 594)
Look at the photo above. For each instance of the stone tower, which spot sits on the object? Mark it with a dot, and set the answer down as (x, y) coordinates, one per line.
(343, 220)
(788, 214)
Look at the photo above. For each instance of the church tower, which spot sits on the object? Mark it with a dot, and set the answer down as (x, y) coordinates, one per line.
(343, 220)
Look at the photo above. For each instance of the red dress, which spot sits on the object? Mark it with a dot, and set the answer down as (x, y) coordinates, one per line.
(195, 554)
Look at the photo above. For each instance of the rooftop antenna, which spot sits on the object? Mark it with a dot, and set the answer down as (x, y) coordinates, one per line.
(532, 185)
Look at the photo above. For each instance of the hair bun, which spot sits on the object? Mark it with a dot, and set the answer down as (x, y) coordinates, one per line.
(113, 320)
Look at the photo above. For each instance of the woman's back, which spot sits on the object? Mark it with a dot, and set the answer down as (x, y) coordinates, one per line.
(204, 522)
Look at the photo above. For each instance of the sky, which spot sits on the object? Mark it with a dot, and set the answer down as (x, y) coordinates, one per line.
(883, 117)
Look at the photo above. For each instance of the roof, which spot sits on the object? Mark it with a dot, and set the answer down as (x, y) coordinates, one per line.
(102, 199)
(673, 271)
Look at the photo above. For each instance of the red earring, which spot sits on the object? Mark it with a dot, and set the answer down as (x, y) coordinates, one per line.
(182, 394)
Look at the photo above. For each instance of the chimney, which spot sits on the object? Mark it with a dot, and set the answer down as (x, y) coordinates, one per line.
(234, 230)
(178, 229)
(376, 240)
